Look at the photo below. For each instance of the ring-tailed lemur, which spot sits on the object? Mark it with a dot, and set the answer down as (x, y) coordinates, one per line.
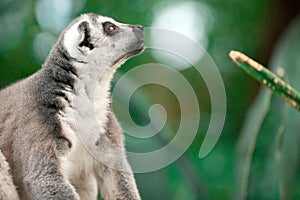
(53, 122)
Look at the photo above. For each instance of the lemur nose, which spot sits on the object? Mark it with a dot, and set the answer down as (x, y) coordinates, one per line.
(138, 30)
(140, 27)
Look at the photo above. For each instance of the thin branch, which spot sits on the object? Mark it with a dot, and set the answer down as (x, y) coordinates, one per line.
(268, 78)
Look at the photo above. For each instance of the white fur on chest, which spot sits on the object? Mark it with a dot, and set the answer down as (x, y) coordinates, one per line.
(82, 123)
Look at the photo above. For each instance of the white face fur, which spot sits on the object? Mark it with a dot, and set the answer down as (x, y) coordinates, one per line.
(101, 41)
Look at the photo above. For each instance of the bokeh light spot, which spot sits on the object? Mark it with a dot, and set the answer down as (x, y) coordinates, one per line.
(192, 19)
(42, 44)
(53, 15)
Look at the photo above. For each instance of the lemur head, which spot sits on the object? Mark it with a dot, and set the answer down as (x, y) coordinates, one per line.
(102, 41)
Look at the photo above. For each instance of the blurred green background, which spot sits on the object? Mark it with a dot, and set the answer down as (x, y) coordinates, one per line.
(257, 155)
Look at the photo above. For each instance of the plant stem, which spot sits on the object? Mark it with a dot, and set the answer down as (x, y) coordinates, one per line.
(268, 78)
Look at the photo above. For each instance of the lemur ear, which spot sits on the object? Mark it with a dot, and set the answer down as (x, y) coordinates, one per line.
(85, 41)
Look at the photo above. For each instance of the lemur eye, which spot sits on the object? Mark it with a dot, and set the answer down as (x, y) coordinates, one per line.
(109, 28)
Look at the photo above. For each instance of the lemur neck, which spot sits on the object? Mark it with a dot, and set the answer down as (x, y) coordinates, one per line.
(94, 79)
(58, 72)
(78, 75)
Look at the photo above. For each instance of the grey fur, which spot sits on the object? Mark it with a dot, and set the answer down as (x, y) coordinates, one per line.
(32, 135)
(7, 188)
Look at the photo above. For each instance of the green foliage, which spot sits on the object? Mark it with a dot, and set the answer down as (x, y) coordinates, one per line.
(269, 146)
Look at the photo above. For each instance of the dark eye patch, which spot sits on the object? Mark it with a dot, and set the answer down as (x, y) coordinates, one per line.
(109, 28)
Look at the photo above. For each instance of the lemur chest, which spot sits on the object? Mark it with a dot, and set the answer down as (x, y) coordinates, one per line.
(83, 120)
